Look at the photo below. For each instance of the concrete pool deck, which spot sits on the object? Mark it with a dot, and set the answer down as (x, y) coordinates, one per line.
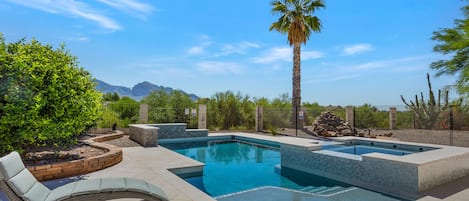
(157, 164)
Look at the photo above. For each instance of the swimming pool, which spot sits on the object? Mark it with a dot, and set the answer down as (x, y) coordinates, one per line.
(239, 164)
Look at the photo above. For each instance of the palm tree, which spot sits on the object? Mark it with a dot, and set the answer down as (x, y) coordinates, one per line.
(296, 20)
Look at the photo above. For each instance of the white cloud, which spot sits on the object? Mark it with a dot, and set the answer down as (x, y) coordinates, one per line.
(240, 48)
(78, 38)
(204, 43)
(285, 54)
(130, 6)
(390, 63)
(330, 77)
(335, 71)
(71, 8)
(274, 55)
(196, 50)
(203, 37)
(356, 49)
(246, 44)
(370, 65)
(307, 55)
(217, 67)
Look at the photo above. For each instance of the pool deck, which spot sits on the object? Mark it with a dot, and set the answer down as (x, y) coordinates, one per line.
(157, 164)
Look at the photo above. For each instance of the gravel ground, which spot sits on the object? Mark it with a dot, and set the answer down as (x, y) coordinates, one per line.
(124, 141)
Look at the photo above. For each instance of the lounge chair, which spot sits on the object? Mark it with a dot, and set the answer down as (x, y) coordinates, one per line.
(19, 184)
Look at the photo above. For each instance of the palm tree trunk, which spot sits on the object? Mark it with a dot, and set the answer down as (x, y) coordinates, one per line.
(296, 79)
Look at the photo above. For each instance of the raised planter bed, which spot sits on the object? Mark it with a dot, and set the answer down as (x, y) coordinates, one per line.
(82, 166)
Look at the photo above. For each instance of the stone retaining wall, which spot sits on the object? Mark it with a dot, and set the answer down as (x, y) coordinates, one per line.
(82, 166)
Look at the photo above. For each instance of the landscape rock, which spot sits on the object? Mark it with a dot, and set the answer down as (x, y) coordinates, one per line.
(331, 125)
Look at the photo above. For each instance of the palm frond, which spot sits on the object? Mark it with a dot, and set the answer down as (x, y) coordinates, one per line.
(279, 7)
(311, 7)
(297, 19)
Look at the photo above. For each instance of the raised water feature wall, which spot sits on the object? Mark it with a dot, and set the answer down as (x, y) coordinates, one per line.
(143, 134)
(148, 134)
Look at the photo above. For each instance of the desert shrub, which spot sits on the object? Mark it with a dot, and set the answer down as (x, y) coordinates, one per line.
(170, 107)
(227, 110)
(46, 99)
(405, 119)
(126, 107)
(278, 113)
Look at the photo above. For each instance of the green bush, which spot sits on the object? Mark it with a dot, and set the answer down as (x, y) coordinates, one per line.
(45, 98)
(405, 119)
(122, 112)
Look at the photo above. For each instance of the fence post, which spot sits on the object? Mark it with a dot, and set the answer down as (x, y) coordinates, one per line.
(259, 119)
(451, 125)
(392, 118)
(350, 116)
(202, 117)
(143, 113)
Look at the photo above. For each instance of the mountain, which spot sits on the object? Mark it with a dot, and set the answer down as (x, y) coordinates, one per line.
(137, 92)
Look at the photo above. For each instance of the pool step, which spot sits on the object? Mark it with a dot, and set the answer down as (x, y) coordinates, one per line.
(334, 193)
(318, 189)
(331, 190)
(325, 190)
(308, 188)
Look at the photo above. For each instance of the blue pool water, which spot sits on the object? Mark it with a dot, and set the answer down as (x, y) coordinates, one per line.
(364, 149)
(232, 166)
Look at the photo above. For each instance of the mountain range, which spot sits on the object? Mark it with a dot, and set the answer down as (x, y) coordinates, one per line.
(137, 92)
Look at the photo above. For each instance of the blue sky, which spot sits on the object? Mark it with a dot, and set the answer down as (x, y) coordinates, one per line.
(368, 51)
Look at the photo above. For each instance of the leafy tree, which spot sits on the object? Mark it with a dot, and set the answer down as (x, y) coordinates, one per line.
(454, 42)
(227, 110)
(382, 119)
(248, 112)
(159, 107)
(278, 113)
(180, 101)
(126, 107)
(365, 116)
(298, 22)
(405, 119)
(111, 97)
(261, 101)
(168, 108)
(45, 97)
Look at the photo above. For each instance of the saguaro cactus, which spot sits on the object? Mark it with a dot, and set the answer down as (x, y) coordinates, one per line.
(427, 113)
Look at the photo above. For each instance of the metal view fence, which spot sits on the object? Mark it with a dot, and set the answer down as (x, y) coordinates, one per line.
(364, 117)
